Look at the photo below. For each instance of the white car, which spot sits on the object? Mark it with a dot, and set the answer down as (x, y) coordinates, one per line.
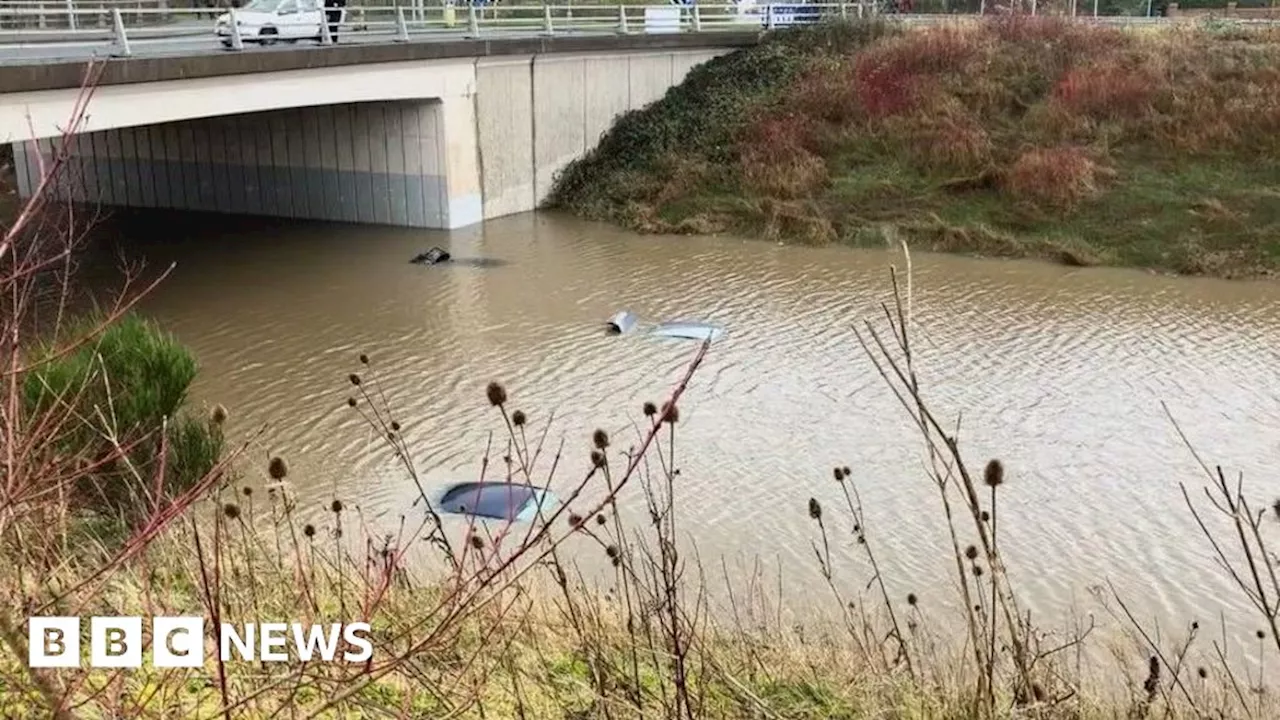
(268, 21)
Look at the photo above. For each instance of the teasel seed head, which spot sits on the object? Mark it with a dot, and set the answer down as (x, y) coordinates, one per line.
(277, 468)
(496, 393)
(993, 475)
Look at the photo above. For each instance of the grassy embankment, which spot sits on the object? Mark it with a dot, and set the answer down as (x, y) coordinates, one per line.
(1013, 137)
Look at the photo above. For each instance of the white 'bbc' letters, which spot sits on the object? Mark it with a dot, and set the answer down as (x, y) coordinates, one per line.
(178, 642)
(53, 642)
(115, 642)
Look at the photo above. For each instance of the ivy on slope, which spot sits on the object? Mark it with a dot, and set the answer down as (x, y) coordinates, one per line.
(701, 117)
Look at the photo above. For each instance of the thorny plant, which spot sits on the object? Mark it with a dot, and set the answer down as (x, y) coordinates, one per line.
(491, 563)
(1238, 539)
(1003, 640)
(993, 617)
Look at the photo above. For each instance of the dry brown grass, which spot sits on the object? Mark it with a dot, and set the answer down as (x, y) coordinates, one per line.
(776, 162)
(1114, 88)
(1060, 177)
(947, 143)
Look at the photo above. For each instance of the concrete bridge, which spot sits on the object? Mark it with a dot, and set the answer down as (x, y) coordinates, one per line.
(433, 135)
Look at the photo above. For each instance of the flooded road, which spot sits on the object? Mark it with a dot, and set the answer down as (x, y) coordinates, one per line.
(1059, 372)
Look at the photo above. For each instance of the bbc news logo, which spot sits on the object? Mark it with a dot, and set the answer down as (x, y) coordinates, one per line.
(178, 642)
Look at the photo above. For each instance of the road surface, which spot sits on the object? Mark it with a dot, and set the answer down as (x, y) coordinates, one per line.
(44, 52)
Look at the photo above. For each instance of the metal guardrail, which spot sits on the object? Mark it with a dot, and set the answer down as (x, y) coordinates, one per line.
(55, 15)
(84, 24)
(62, 15)
(138, 23)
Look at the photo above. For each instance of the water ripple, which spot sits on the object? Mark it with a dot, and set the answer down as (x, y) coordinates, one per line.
(1058, 372)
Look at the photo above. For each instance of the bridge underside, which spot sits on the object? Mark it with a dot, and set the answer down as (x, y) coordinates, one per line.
(409, 163)
(438, 144)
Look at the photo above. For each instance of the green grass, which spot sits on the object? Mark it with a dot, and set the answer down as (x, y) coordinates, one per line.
(1211, 218)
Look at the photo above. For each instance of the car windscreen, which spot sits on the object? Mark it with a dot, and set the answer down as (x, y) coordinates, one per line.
(264, 5)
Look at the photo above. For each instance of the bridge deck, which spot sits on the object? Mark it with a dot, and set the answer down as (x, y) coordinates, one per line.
(64, 74)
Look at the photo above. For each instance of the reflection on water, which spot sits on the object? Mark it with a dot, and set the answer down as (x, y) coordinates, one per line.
(1059, 372)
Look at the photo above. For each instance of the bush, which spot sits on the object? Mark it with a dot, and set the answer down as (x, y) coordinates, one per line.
(125, 386)
(1057, 177)
(1107, 91)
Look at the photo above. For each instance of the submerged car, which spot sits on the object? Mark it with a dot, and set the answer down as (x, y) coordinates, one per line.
(498, 500)
(269, 21)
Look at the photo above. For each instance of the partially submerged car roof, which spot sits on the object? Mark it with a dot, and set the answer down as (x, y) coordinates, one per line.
(691, 330)
(498, 500)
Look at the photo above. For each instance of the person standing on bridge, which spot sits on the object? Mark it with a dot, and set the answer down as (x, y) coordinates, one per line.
(333, 10)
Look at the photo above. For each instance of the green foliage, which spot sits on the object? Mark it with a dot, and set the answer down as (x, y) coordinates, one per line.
(133, 367)
(126, 385)
(195, 447)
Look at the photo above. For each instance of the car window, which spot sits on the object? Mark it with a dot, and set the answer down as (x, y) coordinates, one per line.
(288, 6)
(308, 5)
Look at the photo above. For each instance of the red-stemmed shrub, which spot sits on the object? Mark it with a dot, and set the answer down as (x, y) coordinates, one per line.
(1108, 90)
(775, 158)
(897, 77)
(1058, 177)
(949, 142)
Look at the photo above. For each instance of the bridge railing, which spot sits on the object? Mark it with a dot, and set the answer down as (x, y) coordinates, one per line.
(120, 26)
(61, 15)
(142, 22)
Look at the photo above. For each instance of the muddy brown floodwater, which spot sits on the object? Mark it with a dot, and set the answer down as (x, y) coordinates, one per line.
(1059, 372)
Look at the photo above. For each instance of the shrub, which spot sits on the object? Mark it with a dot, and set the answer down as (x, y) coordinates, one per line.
(885, 88)
(124, 386)
(896, 76)
(1106, 90)
(775, 160)
(1059, 177)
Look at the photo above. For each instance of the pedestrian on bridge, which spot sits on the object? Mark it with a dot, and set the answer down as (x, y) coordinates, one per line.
(333, 15)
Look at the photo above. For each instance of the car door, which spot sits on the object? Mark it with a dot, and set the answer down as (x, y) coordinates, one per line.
(310, 16)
